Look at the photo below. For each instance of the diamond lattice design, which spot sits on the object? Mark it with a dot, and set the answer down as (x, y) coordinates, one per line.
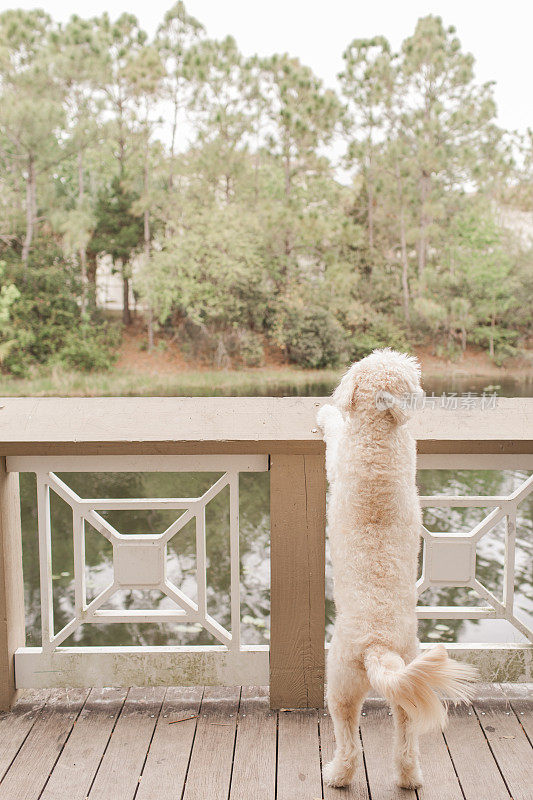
(139, 561)
(450, 558)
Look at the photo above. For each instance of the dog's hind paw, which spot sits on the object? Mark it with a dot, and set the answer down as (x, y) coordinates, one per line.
(338, 773)
(407, 780)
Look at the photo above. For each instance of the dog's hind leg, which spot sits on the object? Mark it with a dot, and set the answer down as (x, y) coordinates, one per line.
(347, 688)
(406, 755)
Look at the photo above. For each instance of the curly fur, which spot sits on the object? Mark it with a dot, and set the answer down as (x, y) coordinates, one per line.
(374, 523)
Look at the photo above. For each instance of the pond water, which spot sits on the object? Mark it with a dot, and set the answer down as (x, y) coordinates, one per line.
(255, 551)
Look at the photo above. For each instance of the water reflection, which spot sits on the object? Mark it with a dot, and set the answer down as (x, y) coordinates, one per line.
(255, 550)
(255, 556)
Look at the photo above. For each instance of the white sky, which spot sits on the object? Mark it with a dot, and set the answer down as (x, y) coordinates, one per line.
(317, 31)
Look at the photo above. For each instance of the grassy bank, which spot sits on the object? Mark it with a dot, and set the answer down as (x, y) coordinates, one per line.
(121, 382)
(276, 381)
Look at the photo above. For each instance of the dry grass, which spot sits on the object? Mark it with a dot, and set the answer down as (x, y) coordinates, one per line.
(124, 383)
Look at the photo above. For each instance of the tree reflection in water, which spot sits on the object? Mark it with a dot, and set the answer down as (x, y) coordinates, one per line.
(255, 556)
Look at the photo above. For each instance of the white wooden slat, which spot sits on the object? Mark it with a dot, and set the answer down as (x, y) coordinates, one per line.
(180, 523)
(455, 612)
(61, 489)
(509, 560)
(493, 600)
(135, 504)
(460, 501)
(216, 629)
(235, 562)
(522, 492)
(182, 600)
(102, 526)
(45, 560)
(85, 616)
(487, 524)
(214, 489)
(136, 615)
(78, 533)
(201, 561)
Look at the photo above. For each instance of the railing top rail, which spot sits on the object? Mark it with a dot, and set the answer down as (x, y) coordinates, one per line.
(187, 425)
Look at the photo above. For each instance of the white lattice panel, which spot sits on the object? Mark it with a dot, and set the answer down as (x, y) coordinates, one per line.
(450, 558)
(139, 560)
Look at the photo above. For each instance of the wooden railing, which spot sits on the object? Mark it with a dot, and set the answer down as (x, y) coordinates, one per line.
(230, 435)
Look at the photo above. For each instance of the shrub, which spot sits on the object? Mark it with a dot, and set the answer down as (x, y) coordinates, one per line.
(45, 323)
(89, 349)
(251, 349)
(311, 336)
(381, 332)
(504, 340)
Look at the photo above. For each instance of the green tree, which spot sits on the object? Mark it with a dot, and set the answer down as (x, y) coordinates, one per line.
(448, 118)
(118, 232)
(31, 110)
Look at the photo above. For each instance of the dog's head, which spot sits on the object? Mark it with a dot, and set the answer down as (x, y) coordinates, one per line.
(385, 383)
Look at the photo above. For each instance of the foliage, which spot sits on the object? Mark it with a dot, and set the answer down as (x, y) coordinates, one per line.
(310, 335)
(251, 350)
(382, 332)
(208, 179)
(45, 323)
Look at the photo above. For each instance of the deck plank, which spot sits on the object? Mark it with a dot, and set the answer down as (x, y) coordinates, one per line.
(508, 742)
(377, 732)
(81, 756)
(358, 789)
(520, 695)
(476, 768)
(16, 724)
(121, 767)
(210, 767)
(53, 743)
(299, 775)
(254, 763)
(166, 766)
(31, 768)
(440, 779)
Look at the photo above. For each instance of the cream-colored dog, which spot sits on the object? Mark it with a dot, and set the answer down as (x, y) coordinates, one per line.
(374, 523)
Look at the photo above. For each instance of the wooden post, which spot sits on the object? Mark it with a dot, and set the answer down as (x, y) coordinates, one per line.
(297, 603)
(12, 629)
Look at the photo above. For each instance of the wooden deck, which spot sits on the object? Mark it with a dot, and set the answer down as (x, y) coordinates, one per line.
(225, 744)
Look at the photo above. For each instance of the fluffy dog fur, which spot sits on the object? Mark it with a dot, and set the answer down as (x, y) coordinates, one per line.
(374, 523)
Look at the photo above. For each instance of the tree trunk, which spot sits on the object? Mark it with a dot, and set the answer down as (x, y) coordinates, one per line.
(370, 199)
(424, 220)
(84, 280)
(83, 253)
(91, 280)
(287, 170)
(491, 336)
(31, 203)
(403, 245)
(173, 144)
(405, 269)
(126, 314)
(150, 323)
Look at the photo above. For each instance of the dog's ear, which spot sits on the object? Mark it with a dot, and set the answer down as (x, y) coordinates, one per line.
(402, 396)
(400, 408)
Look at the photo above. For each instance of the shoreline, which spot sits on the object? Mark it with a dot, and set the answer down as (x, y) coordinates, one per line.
(123, 381)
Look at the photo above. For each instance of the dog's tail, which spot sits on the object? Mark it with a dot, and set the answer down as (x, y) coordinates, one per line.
(414, 686)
